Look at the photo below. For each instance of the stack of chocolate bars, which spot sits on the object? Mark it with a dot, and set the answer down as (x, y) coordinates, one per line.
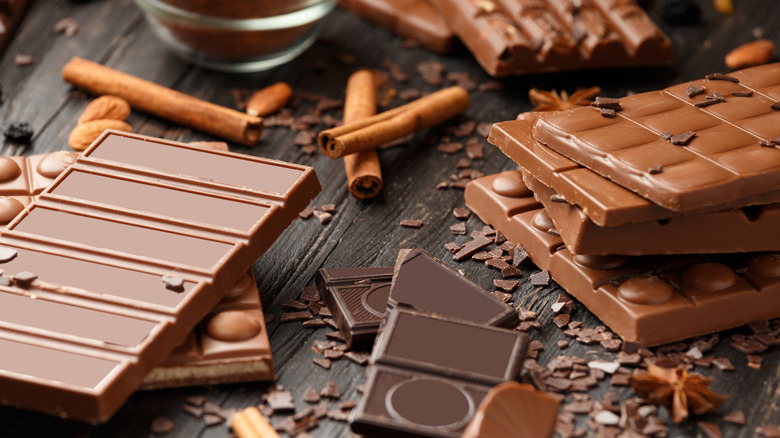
(113, 264)
(441, 344)
(658, 211)
(509, 37)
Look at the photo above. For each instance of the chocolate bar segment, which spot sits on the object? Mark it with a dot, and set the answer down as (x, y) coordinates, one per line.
(531, 36)
(425, 283)
(728, 231)
(357, 298)
(414, 19)
(124, 284)
(651, 300)
(428, 374)
(720, 160)
(603, 201)
(229, 345)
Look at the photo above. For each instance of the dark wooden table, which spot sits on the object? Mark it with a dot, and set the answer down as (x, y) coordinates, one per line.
(361, 233)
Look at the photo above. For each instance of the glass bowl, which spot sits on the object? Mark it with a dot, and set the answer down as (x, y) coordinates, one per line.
(236, 35)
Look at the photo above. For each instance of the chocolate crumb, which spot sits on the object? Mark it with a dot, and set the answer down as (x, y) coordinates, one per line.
(162, 425)
(562, 344)
(654, 170)
(769, 431)
(519, 255)
(412, 223)
(278, 401)
(607, 102)
(309, 294)
(706, 102)
(491, 85)
(506, 285)
(721, 77)
(458, 229)
(710, 430)
(682, 139)
(695, 90)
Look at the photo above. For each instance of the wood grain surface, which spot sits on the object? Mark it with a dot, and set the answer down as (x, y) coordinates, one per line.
(361, 233)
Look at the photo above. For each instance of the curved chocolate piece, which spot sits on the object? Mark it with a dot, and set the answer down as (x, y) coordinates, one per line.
(513, 410)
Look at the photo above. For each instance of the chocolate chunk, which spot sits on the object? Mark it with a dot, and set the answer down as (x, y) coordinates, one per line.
(412, 223)
(608, 112)
(431, 72)
(307, 212)
(173, 282)
(506, 285)
(195, 411)
(459, 213)
(471, 247)
(511, 271)
(360, 358)
(449, 148)
(309, 294)
(330, 208)
(7, 254)
(324, 363)
(475, 149)
(24, 278)
(210, 420)
(322, 216)
(197, 400)
(721, 77)
(607, 103)
(746, 93)
(682, 139)
(314, 323)
(330, 390)
(695, 90)
(295, 316)
(541, 278)
(311, 396)
(458, 229)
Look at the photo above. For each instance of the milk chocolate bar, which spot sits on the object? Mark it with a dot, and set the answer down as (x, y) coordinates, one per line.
(651, 300)
(116, 261)
(604, 202)
(229, 345)
(415, 19)
(428, 374)
(357, 298)
(428, 285)
(679, 148)
(739, 230)
(532, 36)
(22, 178)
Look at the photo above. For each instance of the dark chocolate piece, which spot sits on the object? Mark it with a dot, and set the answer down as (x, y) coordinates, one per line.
(428, 374)
(516, 37)
(130, 210)
(357, 298)
(723, 164)
(428, 285)
(651, 300)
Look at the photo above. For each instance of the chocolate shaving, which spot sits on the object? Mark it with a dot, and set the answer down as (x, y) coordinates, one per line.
(721, 77)
(471, 247)
(458, 229)
(694, 90)
(706, 102)
(746, 93)
(412, 223)
(682, 139)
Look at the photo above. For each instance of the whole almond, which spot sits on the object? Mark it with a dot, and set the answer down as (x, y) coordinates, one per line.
(83, 135)
(105, 107)
(269, 100)
(749, 54)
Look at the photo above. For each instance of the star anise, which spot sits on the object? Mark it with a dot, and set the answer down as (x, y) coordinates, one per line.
(678, 390)
(552, 101)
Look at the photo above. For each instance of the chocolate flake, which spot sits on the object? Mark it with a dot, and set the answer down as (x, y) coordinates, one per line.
(330, 390)
(307, 212)
(324, 363)
(461, 213)
(471, 247)
(695, 90)
(309, 294)
(162, 425)
(195, 411)
(458, 229)
(360, 358)
(682, 139)
(314, 323)
(745, 93)
(721, 77)
(449, 147)
(24, 278)
(541, 278)
(608, 103)
(735, 417)
(212, 420)
(412, 223)
(506, 285)
(67, 26)
(431, 72)
(323, 216)
(296, 316)
(776, 105)
(706, 102)
(654, 170)
(608, 112)
(666, 135)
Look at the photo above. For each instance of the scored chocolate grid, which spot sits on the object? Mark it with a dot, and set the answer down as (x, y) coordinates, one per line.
(515, 36)
(727, 142)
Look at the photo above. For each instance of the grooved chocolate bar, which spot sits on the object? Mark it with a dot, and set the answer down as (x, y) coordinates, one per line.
(357, 298)
(739, 230)
(650, 299)
(683, 153)
(22, 178)
(428, 374)
(532, 36)
(414, 19)
(229, 345)
(117, 260)
(607, 204)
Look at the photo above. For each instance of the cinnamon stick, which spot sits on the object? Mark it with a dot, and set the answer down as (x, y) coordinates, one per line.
(377, 130)
(165, 103)
(364, 175)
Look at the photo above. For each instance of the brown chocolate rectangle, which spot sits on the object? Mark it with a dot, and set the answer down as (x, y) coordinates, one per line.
(724, 159)
(649, 299)
(229, 345)
(123, 283)
(603, 201)
(727, 231)
(531, 36)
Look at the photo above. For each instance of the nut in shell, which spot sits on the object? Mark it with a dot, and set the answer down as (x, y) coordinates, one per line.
(83, 135)
(105, 107)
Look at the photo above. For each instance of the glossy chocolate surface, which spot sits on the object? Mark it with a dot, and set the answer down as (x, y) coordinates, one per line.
(731, 156)
(98, 294)
(531, 36)
(414, 19)
(427, 284)
(652, 300)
